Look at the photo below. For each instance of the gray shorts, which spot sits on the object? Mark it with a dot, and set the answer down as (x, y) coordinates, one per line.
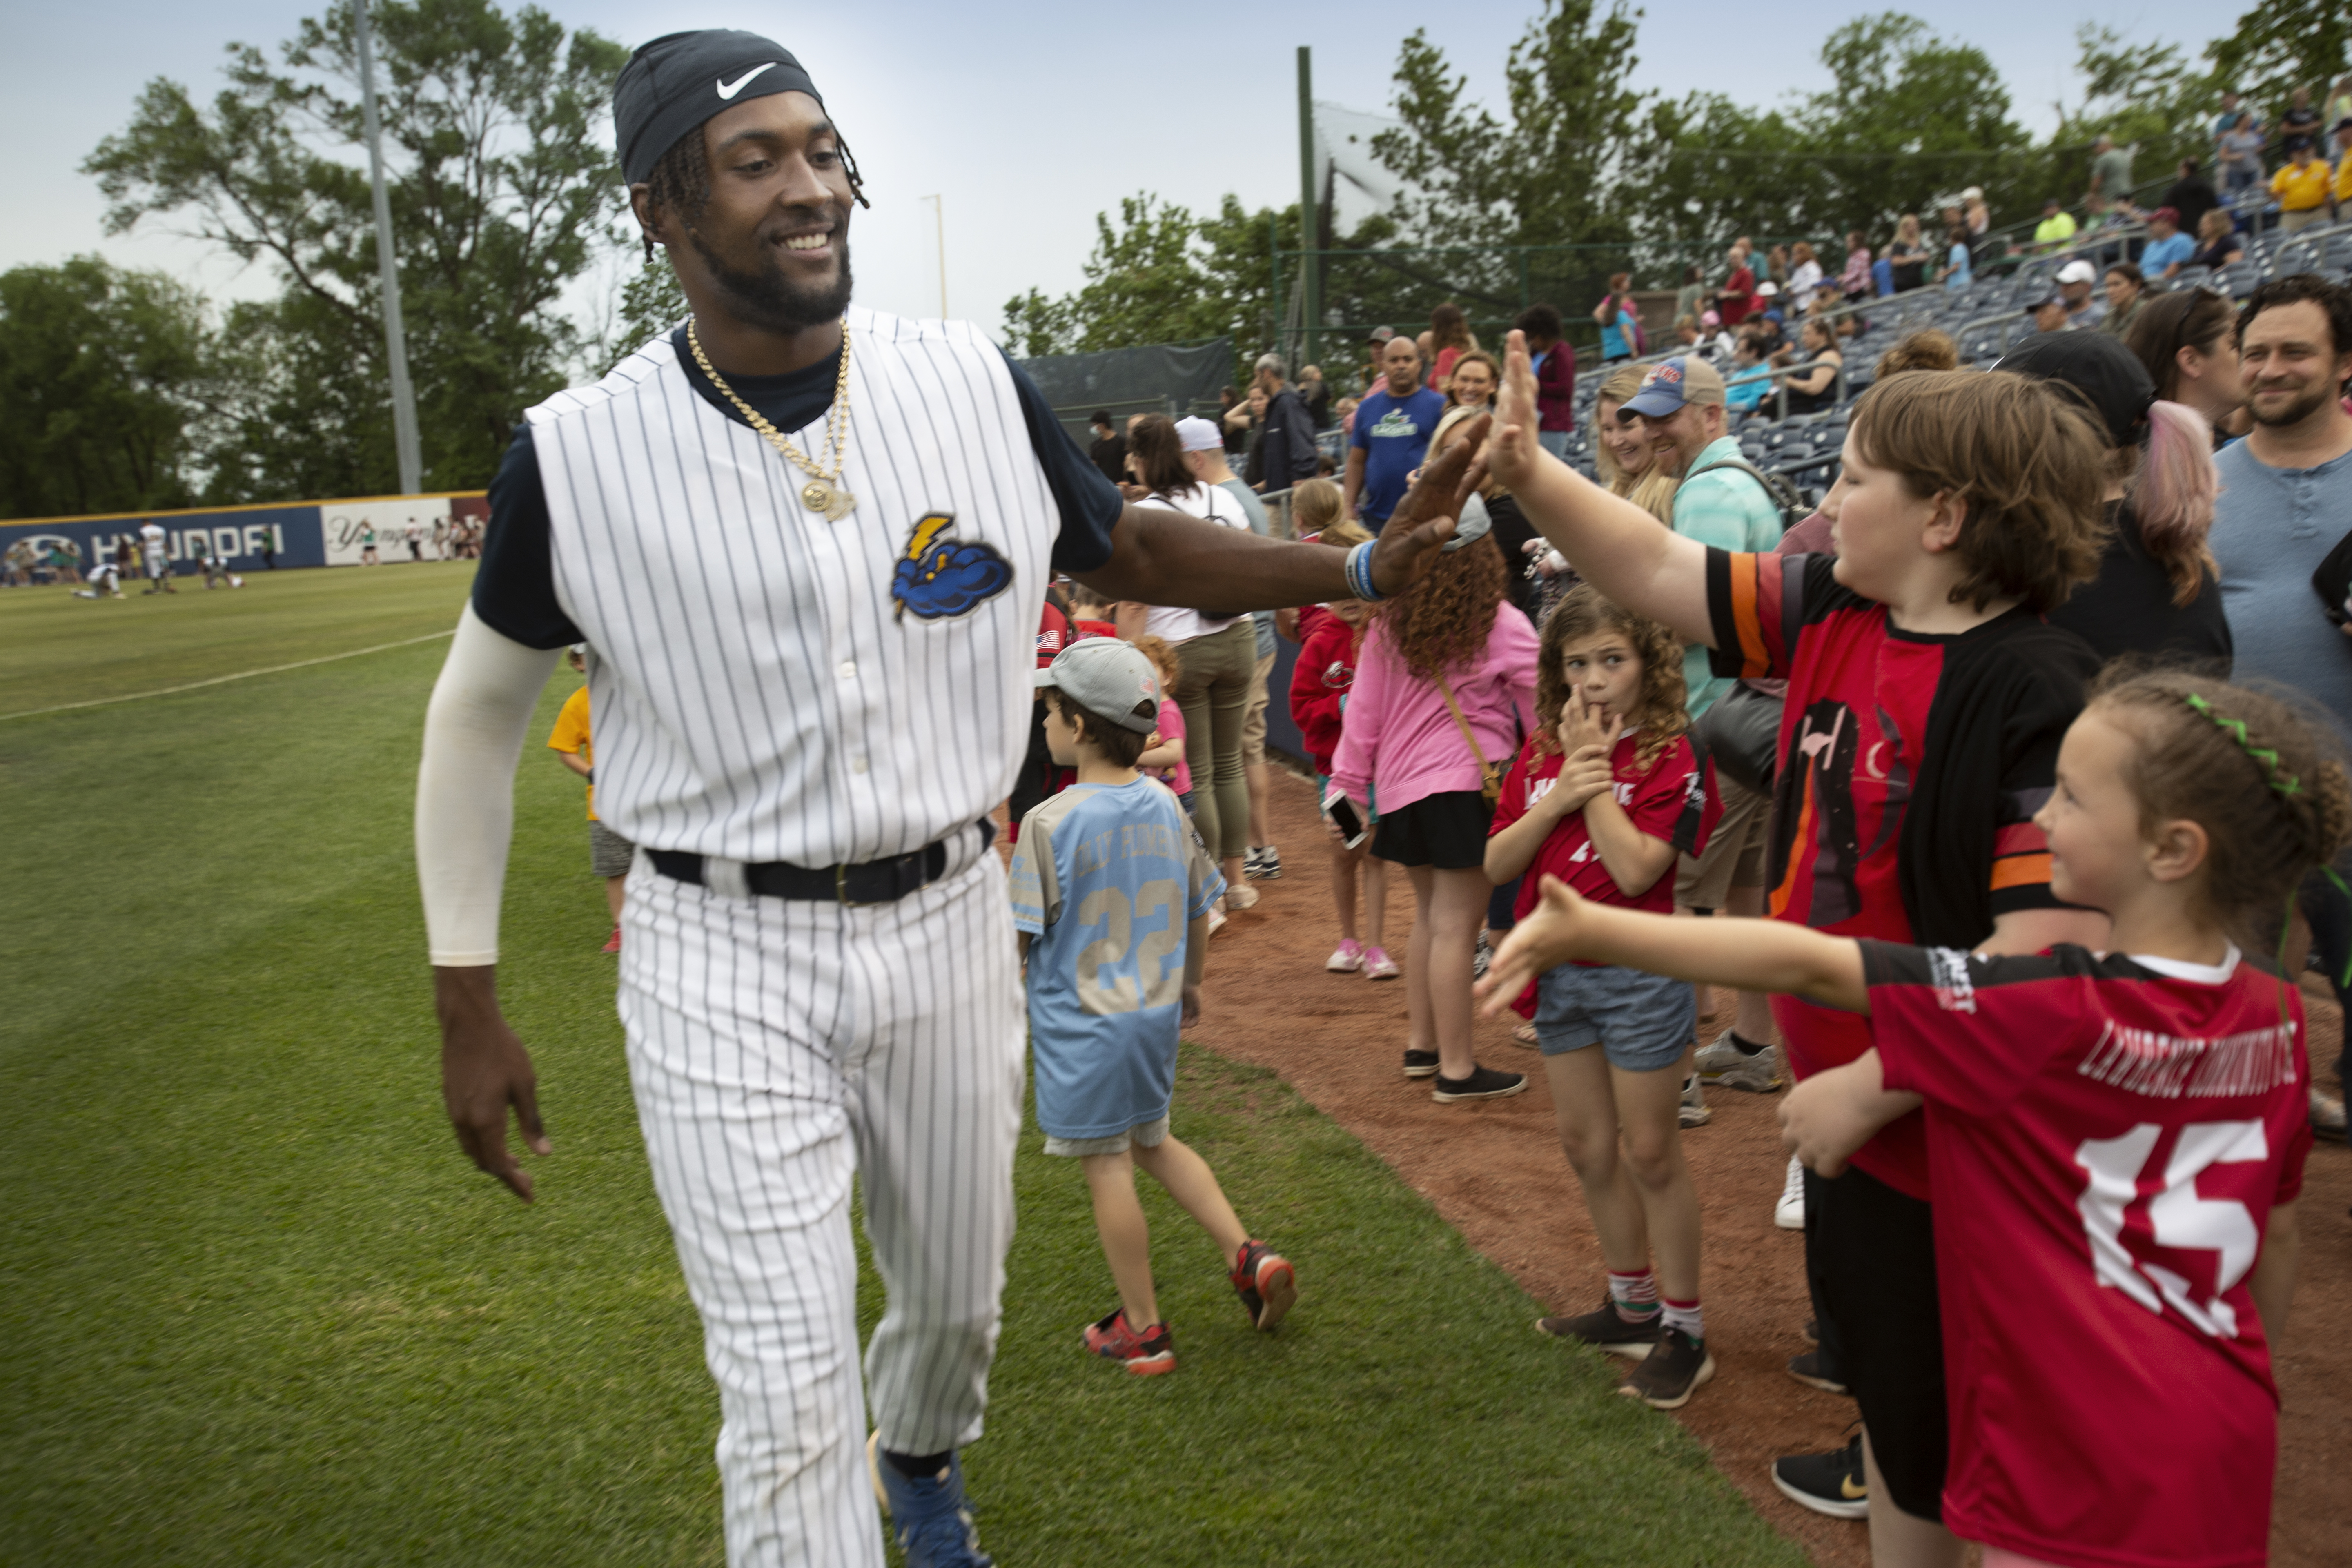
(609, 853)
(1150, 1134)
(1735, 853)
(1641, 1022)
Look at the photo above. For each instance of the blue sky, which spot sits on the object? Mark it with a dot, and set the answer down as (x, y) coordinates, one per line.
(1028, 119)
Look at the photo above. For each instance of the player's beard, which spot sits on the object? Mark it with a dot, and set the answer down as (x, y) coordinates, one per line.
(768, 300)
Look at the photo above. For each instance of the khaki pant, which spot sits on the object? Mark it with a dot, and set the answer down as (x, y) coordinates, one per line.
(1253, 716)
(1734, 855)
(1214, 691)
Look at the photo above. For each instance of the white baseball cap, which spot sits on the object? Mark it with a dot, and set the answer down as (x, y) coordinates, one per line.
(2077, 271)
(1197, 435)
(1973, 194)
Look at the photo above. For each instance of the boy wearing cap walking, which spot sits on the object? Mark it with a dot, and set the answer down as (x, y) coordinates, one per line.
(1111, 891)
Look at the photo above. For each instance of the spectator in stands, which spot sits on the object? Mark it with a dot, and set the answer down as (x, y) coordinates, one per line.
(1769, 306)
(2190, 198)
(1393, 430)
(2167, 249)
(1716, 341)
(2056, 227)
(2231, 117)
(2126, 293)
(1979, 217)
(1927, 349)
(1907, 255)
(2050, 313)
(2111, 168)
(2241, 160)
(2083, 308)
(2302, 183)
(2155, 595)
(1958, 268)
(2298, 119)
(1804, 272)
(2218, 245)
(2187, 342)
(1776, 266)
(1623, 458)
(1236, 425)
(1620, 320)
(1734, 299)
(1854, 282)
(1750, 378)
(1686, 333)
(1109, 450)
(1691, 295)
(1815, 387)
(1449, 337)
(1285, 431)
(1555, 364)
(1314, 392)
(1251, 415)
(2343, 164)
(2339, 102)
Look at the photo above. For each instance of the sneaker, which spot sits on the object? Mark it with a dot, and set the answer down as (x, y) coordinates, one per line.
(1421, 1064)
(1483, 956)
(1719, 1053)
(1379, 965)
(1831, 1483)
(1263, 864)
(1606, 1329)
(1346, 958)
(1693, 1112)
(1216, 920)
(1759, 1074)
(1789, 1214)
(2326, 1117)
(1813, 1370)
(1265, 1282)
(1484, 1083)
(930, 1518)
(1670, 1372)
(1240, 896)
(614, 944)
(1146, 1354)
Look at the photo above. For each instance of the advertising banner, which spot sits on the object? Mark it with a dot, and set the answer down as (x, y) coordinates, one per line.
(250, 537)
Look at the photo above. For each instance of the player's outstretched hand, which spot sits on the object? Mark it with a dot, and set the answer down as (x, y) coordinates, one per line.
(1544, 939)
(1513, 454)
(484, 1070)
(1424, 518)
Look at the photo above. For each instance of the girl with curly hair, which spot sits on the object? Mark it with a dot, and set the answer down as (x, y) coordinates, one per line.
(1603, 796)
(1441, 699)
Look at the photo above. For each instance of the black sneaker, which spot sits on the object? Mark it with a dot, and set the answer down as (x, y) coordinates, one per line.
(1829, 1483)
(1484, 1083)
(1812, 1330)
(1263, 864)
(1815, 1369)
(1607, 1330)
(1668, 1375)
(1421, 1064)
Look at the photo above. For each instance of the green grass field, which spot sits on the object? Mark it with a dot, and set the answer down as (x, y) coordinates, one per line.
(258, 1310)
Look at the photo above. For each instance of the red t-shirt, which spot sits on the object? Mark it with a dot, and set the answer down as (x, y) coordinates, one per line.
(1053, 634)
(1737, 297)
(1854, 727)
(1668, 800)
(2108, 1137)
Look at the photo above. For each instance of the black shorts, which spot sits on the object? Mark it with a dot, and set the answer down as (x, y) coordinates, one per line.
(1870, 1256)
(1447, 830)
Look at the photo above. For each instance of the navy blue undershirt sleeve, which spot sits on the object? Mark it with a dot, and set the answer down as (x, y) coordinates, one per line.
(514, 589)
(1089, 503)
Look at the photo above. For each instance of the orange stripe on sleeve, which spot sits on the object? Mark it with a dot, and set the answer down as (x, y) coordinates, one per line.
(1743, 570)
(2021, 870)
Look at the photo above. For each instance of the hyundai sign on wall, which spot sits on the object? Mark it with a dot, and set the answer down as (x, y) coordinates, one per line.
(253, 538)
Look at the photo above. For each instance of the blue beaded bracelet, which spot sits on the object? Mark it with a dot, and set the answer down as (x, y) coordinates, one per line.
(1359, 572)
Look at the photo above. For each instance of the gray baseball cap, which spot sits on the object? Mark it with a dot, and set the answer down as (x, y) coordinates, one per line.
(1106, 676)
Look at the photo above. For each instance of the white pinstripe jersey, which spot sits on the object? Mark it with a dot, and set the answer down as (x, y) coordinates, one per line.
(770, 686)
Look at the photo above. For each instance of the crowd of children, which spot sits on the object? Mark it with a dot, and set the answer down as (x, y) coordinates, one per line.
(2020, 910)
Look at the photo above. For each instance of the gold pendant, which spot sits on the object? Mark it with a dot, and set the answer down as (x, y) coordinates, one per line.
(830, 500)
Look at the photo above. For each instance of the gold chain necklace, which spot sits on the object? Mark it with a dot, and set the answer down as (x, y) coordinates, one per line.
(823, 492)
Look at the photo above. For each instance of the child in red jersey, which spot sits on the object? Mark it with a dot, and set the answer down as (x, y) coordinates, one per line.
(1603, 796)
(2118, 1137)
(1926, 695)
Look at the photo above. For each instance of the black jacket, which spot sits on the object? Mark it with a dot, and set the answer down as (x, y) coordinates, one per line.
(1286, 440)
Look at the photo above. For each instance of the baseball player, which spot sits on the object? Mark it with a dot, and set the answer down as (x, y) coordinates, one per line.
(800, 541)
(155, 550)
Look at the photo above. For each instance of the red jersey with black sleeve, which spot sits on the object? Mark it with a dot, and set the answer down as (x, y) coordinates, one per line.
(1911, 768)
(1319, 680)
(2107, 1137)
(1672, 798)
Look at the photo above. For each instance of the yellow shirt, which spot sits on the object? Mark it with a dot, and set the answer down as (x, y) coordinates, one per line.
(2051, 231)
(571, 734)
(2301, 189)
(2344, 178)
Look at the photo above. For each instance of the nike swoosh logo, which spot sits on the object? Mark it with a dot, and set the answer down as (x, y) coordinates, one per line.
(1854, 1491)
(729, 89)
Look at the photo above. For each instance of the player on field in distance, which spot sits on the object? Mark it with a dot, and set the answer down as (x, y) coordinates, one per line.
(1111, 893)
(1926, 700)
(609, 853)
(1604, 796)
(2117, 1136)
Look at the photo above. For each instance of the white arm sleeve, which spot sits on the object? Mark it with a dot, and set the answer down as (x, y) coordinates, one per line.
(464, 786)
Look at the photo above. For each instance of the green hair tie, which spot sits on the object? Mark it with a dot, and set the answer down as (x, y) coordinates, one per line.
(2282, 783)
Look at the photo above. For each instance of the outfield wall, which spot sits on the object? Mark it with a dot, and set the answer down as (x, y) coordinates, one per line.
(303, 533)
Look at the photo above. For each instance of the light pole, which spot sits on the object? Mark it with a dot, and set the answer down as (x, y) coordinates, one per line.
(940, 210)
(396, 337)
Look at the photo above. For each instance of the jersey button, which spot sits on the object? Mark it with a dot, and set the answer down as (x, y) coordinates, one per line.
(857, 764)
(848, 669)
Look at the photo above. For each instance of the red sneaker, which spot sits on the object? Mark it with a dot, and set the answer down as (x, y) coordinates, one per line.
(614, 945)
(1265, 1282)
(1146, 1354)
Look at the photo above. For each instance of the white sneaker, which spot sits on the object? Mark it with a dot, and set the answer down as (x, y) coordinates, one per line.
(1789, 1214)
(1216, 920)
(1759, 1074)
(1694, 1111)
(1348, 958)
(1240, 896)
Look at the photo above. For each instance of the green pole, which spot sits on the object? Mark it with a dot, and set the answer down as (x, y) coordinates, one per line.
(1243, 354)
(1311, 231)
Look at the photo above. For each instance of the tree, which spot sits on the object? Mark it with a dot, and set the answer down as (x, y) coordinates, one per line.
(500, 191)
(2143, 95)
(106, 379)
(2282, 44)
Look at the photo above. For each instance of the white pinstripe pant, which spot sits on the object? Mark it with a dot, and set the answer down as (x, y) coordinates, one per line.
(775, 1046)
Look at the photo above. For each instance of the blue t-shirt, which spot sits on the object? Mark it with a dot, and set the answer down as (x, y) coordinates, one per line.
(2159, 254)
(1106, 880)
(1746, 388)
(2271, 528)
(1614, 343)
(1394, 432)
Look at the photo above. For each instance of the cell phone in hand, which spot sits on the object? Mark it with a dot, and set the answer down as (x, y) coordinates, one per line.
(1342, 812)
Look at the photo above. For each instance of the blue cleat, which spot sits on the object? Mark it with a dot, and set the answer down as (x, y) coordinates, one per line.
(929, 1518)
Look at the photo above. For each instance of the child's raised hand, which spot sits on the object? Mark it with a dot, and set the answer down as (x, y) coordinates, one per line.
(1544, 939)
(1581, 726)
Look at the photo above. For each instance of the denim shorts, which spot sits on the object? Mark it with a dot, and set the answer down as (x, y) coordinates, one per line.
(1643, 1022)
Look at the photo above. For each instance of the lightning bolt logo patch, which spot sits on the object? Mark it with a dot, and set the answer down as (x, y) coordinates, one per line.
(938, 574)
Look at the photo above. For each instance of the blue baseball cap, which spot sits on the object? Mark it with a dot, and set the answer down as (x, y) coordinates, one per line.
(1672, 383)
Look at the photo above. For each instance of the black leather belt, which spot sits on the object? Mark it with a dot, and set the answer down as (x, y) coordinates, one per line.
(867, 883)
